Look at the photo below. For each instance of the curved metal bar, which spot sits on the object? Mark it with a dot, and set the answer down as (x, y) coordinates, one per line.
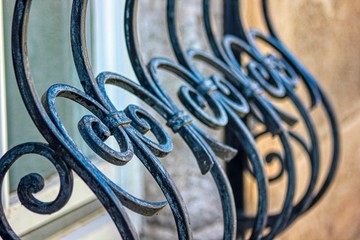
(271, 121)
(278, 92)
(101, 133)
(127, 126)
(309, 81)
(260, 73)
(209, 89)
(292, 68)
(248, 89)
(266, 14)
(318, 97)
(231, 43)
(276, 89)
(174, 35)
(232, 11)
(190, 96)
(176, 121)
(195, 138)
(34, 183)
(324, 103)
(71, 155)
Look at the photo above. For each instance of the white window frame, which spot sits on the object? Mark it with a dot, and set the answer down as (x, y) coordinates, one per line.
(3, 123)
(109, 54)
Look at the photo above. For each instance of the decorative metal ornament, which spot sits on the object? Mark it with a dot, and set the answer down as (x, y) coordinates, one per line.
(222, 101)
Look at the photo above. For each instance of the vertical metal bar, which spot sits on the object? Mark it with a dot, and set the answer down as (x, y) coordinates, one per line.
(232, 20)
(3, 115)
(235, 168)
(235, 172)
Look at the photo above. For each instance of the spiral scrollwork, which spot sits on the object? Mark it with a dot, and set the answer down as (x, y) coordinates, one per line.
(34, 183)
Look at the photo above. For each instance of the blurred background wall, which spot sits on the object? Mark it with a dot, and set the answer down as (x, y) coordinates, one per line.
(324, 35)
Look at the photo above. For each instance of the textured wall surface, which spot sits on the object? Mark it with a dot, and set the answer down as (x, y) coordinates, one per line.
(324, 35)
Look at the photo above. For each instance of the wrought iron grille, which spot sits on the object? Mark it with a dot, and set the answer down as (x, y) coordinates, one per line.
(242, 92)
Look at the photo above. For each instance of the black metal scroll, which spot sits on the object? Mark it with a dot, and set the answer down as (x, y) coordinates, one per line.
(224, 100)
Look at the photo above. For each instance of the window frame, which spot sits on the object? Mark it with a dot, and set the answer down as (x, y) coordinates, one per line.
(3, 115)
